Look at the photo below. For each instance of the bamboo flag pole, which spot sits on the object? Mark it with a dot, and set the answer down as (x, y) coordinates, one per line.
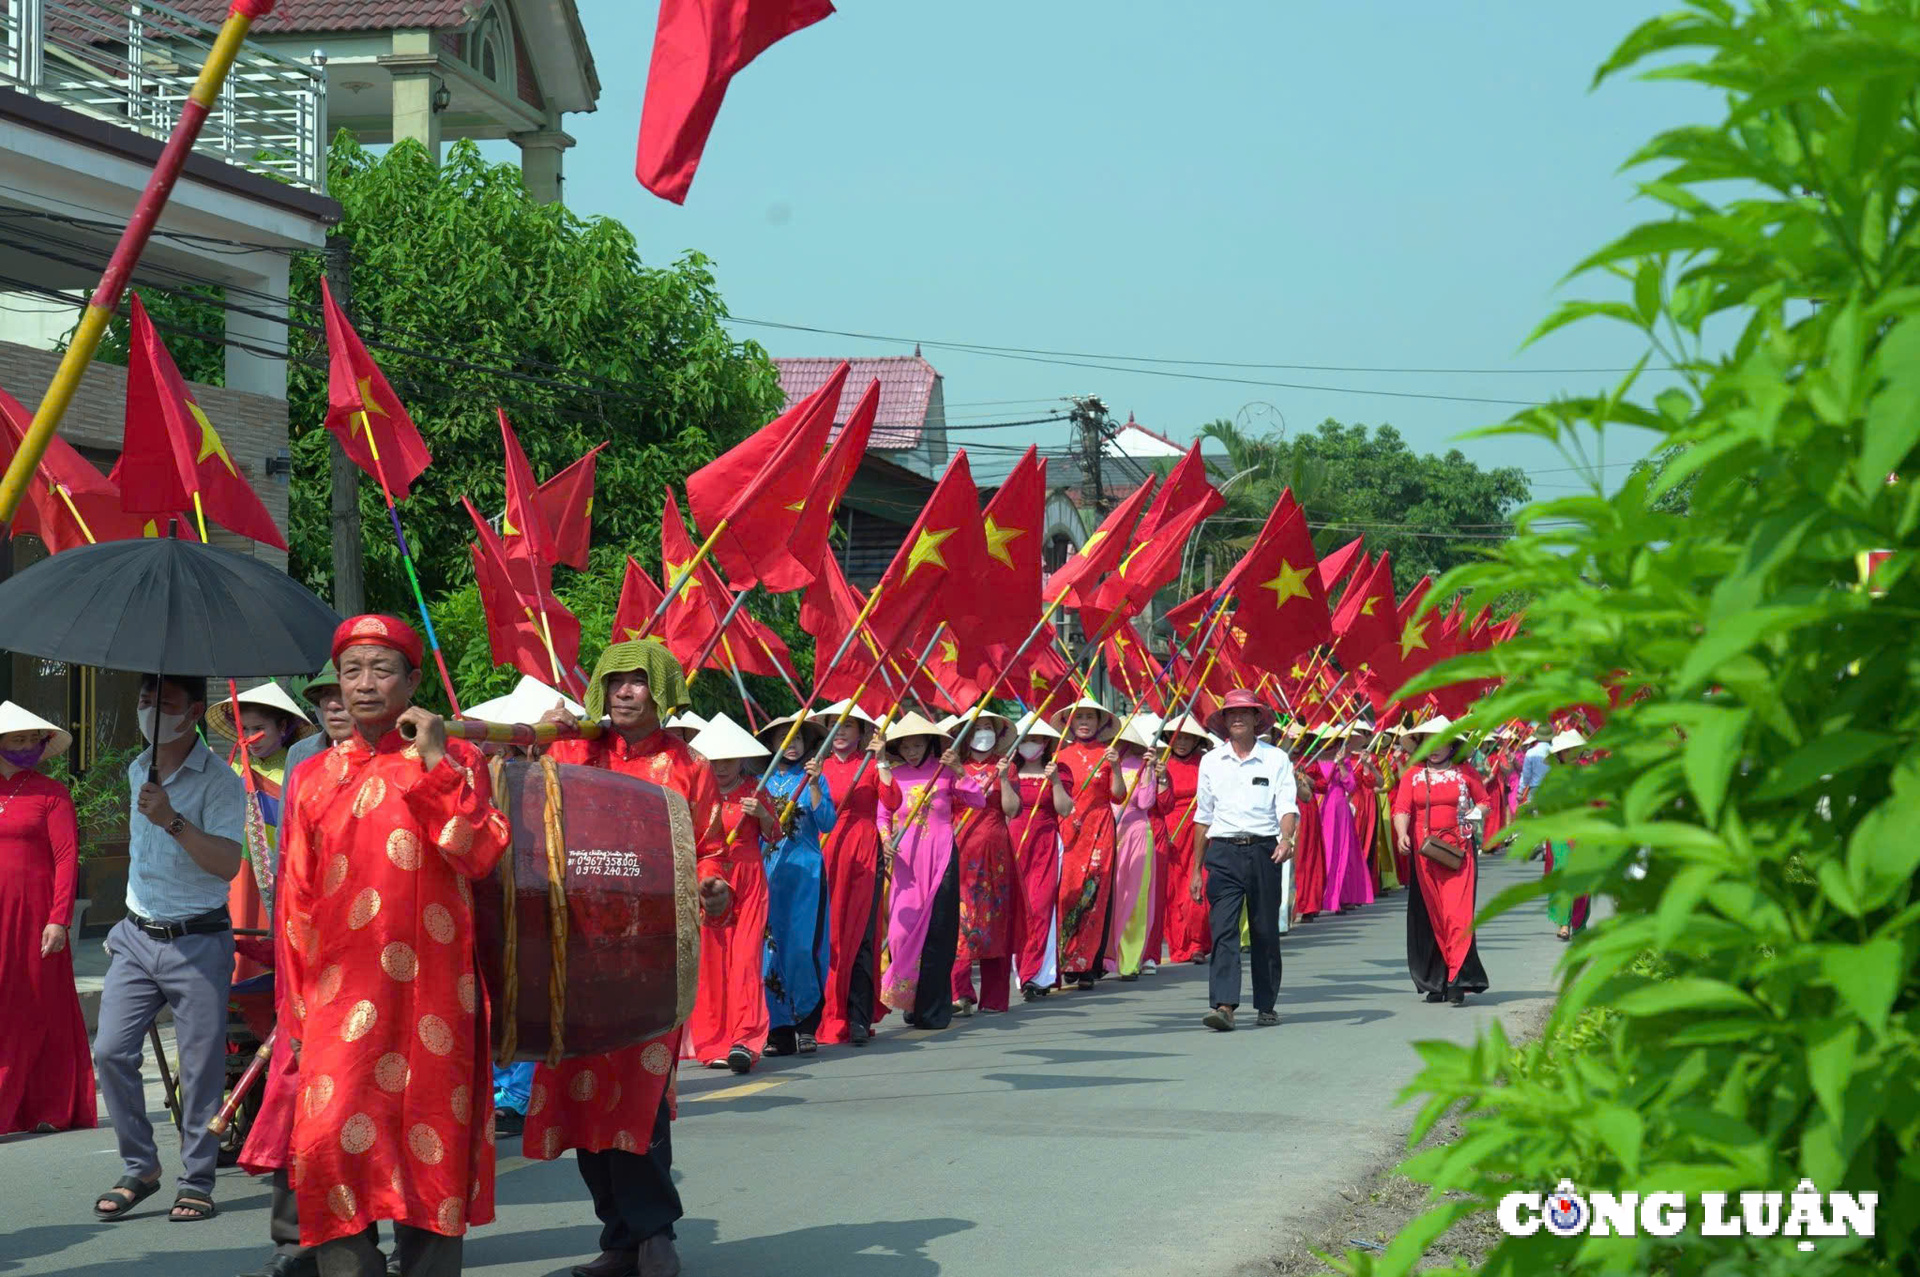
(406, 561)
(126, 254)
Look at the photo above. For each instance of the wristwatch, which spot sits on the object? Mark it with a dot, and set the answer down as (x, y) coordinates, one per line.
(177, 824)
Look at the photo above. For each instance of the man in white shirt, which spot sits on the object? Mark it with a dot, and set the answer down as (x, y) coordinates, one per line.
(1246, 816)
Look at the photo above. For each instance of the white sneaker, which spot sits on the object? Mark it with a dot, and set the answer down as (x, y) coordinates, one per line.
(1149, 967)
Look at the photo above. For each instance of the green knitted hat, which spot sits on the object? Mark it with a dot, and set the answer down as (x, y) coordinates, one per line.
(664, 677)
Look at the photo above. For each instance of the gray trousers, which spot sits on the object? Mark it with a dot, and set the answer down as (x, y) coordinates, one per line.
(422, 1254)
(191, 975)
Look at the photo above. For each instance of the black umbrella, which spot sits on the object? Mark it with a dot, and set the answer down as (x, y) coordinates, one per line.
(164, 605)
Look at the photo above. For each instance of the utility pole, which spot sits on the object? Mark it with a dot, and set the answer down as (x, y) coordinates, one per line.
(1089, 416)
(349, 565)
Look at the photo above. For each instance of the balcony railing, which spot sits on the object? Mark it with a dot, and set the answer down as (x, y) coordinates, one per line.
(134, 64)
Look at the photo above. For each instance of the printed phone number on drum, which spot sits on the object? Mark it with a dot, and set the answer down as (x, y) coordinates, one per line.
(603, 864)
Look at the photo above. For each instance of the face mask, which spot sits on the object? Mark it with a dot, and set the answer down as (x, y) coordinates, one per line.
(24, 757)
(171, 726)
(983, 740)
(1031, 749)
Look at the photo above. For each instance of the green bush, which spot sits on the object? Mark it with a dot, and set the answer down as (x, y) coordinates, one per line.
(1763, 766)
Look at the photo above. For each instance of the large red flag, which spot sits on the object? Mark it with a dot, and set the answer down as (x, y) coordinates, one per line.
(523, 617)
(1282, 607)
(1042, 675)
(691, 620)
(69, 503)
(759, 490)
(1013, 530)
(1080, 576)
(363, 412)
(1152, 562)
(1337, 564)
(639, 600)
(523, 530)
(171, 452)
(698, 47)
(567, 501)
(807, 543)
(936, 574)
(1130, 668)
(1186, 485)
(1365, 622)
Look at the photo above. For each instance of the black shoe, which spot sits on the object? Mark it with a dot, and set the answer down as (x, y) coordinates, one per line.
(612, 1263)
(782, 1042)
(393, 1260)
(1459, 997)
(740, 1060)
(508, 1123)
(281, 1264)
(1436, 997)
(1031, 992)
(860, 1035)
(1267, 1019)
(1129, 977)
(808, 1044)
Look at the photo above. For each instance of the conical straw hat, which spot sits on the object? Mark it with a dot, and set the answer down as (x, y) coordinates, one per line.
(686, 721)
(831, 714)
(1061, 717)
(15, 718)
(1037, 728)
(723, 739)
(528, 702)
(270, 695)
(910, 725)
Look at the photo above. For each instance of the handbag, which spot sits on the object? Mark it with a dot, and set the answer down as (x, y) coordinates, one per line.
(1431, 847)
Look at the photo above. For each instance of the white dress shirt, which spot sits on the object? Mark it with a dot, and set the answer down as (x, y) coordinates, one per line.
(1245, 796)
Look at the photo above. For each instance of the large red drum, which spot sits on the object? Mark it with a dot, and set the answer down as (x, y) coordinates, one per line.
(600, 948)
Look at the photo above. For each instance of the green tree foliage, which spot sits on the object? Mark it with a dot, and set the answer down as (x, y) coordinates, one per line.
(1432, 512)
(457, 262)
(1768, 776)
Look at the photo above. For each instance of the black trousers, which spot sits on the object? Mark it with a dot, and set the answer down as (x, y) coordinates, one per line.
(422, 1254)
(633, 1193)
(933, 994)
(863, 979)
(1243, 876)
(283, 1216)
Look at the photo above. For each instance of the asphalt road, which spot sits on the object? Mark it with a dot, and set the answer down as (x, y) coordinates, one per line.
(1098, 1132)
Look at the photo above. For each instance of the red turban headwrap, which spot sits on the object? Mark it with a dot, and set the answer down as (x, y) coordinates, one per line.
(379, 631)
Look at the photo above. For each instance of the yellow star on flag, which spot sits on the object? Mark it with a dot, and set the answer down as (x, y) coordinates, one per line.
(801, 504)
(1120, 641)
(210, 445)
(633, 635)
(1290, 584)
(998, 538)
(1037, 681)
(1415, 635)
(927, 550)
(1296, 673)
(1366, 607)
(506, 527)
(1131, 555)
(1099, 535)
(949, 651)
(673, 571)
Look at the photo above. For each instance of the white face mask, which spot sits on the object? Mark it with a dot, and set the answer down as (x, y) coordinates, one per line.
(172, 726)
(1032, 749)
(982, 740)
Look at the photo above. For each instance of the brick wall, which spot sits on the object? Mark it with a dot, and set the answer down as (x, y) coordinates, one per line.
(254, 427)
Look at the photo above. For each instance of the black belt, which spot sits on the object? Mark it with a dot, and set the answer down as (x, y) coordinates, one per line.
(1243, 840)
(209, 923)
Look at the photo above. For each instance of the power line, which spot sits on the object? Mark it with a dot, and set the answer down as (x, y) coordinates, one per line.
(985, 348)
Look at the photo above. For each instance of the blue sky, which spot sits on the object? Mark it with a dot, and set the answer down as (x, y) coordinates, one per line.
(1364, 184)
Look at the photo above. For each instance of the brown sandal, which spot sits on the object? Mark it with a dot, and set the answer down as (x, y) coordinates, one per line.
(137, 1190)
(189, 1208)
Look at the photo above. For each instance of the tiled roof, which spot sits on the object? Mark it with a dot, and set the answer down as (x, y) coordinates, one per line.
(340, 15)
(906, 388)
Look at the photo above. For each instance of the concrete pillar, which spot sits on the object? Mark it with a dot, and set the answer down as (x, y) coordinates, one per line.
(414, 65)
(541, 162)
(414, 115)
(246, 370)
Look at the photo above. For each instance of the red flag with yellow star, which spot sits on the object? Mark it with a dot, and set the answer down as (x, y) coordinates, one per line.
(1129, 668)
(1081, 575)
(69, 503)
(1281, 605)
(690, 622)
(171, 452)
(937, 573)
(639, 599)
(1013, 528)
(1042, 675)
(1150, 563)
(1365, 620)
(807, 543)
(523, 617)
(567, 501)
(760, 487)
(523, 528)
(363, 412)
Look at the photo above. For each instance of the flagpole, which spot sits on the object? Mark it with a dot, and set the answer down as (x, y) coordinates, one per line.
(820, 675)
(86, 339)
(880, 731)
(687, 570)
(700, 661)
(406, 561)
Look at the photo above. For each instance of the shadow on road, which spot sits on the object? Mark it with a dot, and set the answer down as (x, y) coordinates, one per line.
(883, 1248)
